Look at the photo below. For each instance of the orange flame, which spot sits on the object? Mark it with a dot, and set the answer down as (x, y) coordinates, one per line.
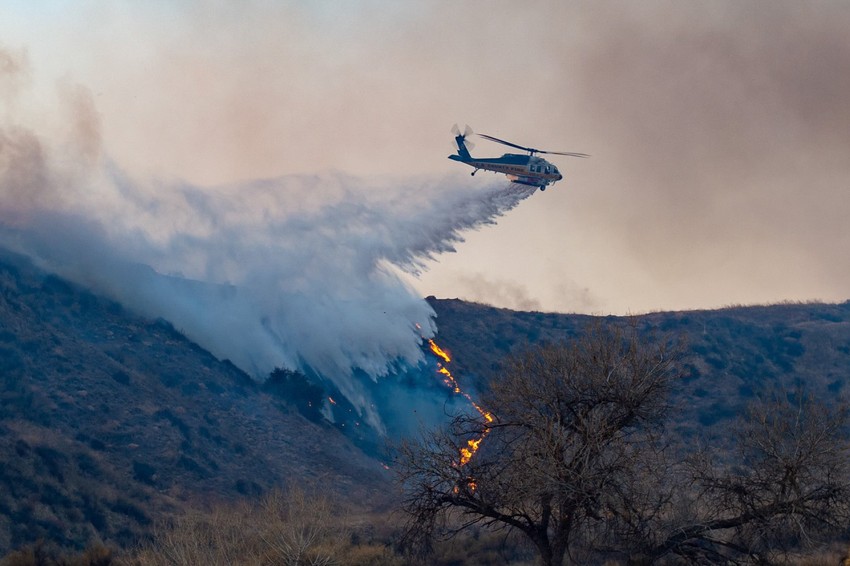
(439, 352)
(468, 451)
(470, 484)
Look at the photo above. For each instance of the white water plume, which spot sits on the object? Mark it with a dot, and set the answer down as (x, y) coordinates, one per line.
(260, 277)
(297, 271)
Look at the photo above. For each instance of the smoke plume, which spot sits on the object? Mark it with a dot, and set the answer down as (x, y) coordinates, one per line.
(296, 271)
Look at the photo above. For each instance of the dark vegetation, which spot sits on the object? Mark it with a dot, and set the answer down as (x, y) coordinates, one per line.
(319, 401)
(731, 354)
(574, 457)
(294, 388)
(116, 431)
(109, 421)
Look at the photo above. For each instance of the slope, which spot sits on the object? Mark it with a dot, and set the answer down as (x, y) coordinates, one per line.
(733, 354)
(109, 421)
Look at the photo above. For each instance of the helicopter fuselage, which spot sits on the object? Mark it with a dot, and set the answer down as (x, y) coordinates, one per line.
(523, 169)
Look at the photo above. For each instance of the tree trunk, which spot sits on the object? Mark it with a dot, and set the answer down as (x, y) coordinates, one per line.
(551, 552)
(558, 552)
(544, 550)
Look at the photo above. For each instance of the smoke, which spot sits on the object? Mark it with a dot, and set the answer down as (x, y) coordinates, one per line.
(505, 293)
(299, 271)
(726, 129)
(719, 130)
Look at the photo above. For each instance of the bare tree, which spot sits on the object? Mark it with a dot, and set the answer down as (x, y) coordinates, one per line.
(785, 486)
(570, 451)
(573, 426)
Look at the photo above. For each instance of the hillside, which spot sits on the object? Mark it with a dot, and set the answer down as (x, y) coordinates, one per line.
(109, 420)
(733, 354)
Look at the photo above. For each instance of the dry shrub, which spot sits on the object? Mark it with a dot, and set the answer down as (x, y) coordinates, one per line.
(46, 554)
(300, 530)
(370, 555)
(287, 528)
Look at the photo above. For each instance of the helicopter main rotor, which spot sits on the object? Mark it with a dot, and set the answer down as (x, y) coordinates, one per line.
(531, 150)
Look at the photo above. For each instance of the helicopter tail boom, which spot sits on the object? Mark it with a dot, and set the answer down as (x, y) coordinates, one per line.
(462, 152)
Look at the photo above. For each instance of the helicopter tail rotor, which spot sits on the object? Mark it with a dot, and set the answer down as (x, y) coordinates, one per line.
(467, 131)
(463, 137)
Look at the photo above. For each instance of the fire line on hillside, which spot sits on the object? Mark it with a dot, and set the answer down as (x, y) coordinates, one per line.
(472, 445)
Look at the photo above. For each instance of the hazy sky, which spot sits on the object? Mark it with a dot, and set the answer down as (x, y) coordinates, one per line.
(719, 130)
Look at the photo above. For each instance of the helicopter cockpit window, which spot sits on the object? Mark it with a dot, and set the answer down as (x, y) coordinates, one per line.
(547, 168)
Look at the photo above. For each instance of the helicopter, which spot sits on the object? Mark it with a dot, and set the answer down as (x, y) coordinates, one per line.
(523, 169)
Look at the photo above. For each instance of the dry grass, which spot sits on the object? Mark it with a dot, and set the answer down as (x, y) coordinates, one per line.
(291, 528)
(831, 555)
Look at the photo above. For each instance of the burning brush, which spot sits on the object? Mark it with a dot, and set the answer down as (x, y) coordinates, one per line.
(468, 451)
